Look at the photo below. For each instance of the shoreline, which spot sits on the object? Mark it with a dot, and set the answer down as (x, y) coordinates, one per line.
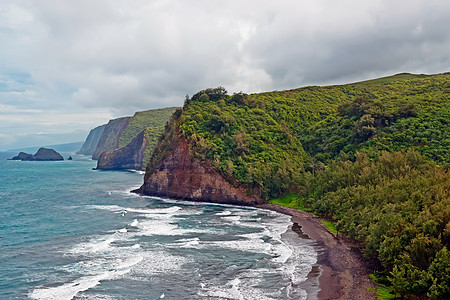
(344, 274)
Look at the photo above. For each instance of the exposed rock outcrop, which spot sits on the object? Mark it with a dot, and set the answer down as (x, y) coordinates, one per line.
(91, 142)
(43, 154)
(109, 140)
(129, 157)
(179, 176)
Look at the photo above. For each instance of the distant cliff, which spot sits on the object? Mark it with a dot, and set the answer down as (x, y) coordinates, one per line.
(128, 157)
(135, 155)
(127, 143)
(109, 140)
(92, 140)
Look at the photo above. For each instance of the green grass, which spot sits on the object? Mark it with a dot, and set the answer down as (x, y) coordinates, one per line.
(290, 200)
(330, 225)
(383, 292)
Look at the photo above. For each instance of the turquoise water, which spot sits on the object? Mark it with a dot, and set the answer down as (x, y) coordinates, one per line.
(68, 232)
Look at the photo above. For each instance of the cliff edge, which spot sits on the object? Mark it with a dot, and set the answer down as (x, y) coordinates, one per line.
(179, 176)
(129, 157)
(109, 139)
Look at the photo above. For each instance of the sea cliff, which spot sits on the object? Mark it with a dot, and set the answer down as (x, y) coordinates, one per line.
(92, 140)
(109, 140)
(128, 157)
(180, 176)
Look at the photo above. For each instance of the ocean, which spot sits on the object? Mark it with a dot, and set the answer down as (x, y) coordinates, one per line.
(69, 232)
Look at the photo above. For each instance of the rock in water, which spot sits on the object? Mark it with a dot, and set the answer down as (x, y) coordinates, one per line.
(43, 154)
(23, 156)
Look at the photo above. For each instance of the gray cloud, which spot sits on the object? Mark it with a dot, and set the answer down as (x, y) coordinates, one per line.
(87, 61)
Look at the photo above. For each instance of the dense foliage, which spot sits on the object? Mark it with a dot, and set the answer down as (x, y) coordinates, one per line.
(399, 206)
(244, 142)
(259, 140)
(373, 155)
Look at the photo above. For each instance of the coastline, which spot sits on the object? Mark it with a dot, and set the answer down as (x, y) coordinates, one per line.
(344, 273)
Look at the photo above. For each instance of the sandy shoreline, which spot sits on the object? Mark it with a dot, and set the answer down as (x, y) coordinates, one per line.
(344, 273)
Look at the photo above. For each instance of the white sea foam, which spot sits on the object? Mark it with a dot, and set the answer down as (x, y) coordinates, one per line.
(157, 262)
(134, 223)
(95, 245)
(224, 213)
(71, 289)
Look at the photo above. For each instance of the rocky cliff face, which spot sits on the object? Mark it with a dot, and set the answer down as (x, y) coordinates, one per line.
(91, 142)
(109, 140)
(179, 176)
(43, 154)
(129, 157)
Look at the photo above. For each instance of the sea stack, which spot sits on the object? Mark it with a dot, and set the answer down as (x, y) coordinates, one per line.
(43, 154)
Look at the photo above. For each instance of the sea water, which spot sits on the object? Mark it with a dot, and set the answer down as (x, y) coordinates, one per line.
(68, 232)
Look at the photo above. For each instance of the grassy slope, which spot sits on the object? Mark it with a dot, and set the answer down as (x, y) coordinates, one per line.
(144, 119)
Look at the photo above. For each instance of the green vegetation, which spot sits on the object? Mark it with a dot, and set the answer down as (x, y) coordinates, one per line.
(291, 200)
(145, 119)
(243, 142)
(398, 204)
(151, 134)
(330, 225)
(383, 291)
(374, 156)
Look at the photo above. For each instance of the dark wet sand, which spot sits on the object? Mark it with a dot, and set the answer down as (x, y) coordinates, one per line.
(344, 274)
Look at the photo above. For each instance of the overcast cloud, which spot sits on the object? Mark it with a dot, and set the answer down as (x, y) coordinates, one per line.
(68, 66)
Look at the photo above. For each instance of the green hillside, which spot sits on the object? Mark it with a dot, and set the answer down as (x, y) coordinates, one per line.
(373, 156)
(143, 119)
(260, 140)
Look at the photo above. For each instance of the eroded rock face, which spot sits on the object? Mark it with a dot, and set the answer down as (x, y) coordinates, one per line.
(109, 140)
(179, 176)
(128, 157)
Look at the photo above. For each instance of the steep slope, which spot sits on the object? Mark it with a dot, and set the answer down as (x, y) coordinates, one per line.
(92, 140)
(258, 142)
(373, 155)
(109, 140)
(132, 153)
(128, 157)
(180, 176)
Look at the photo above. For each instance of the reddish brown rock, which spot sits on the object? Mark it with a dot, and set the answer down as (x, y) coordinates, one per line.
(179, 176)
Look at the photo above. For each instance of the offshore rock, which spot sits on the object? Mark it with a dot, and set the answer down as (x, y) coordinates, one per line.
(43, 154)
(179, 176)
(129, 157)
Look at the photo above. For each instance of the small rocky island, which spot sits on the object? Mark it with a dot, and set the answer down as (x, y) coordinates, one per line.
(43, 154)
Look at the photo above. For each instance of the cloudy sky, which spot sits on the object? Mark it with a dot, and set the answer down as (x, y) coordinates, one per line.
(68, 66)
